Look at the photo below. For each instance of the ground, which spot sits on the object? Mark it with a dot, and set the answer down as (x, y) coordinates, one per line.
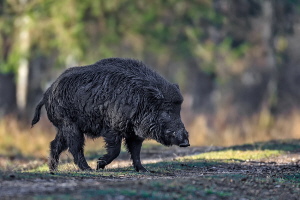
(267, 170)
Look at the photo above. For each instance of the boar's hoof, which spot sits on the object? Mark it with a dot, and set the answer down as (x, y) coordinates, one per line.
(140, 169)
(101, 164)
(87, 169)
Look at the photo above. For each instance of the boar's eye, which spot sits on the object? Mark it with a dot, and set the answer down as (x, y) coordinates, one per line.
(169, 132)
(169, 114)
(166, 115)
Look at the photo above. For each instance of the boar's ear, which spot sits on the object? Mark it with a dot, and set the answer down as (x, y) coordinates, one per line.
(154, 92)
(176, 85)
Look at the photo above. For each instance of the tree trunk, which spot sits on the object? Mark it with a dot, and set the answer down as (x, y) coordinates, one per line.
(23, 69)
(8, 94)
(269, 52)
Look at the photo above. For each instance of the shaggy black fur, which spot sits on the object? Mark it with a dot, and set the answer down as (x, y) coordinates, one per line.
(117, 99)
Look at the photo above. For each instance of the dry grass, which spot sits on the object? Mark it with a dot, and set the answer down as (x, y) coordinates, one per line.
(19, 140)
(261, 127)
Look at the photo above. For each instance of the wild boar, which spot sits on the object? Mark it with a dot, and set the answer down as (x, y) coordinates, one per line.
(117, 99)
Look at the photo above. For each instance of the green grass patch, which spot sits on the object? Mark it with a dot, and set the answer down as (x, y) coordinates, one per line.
(294, 178)
(41, 173)
(111, 194)
(212, 191)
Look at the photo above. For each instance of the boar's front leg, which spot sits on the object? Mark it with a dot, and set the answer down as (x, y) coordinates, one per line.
(134, 145)
(113, 148)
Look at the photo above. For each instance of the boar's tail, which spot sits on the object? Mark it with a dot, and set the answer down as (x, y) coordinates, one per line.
(37, 113)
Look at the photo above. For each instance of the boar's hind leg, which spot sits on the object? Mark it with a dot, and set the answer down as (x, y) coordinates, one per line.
(134, 145)
(57, 146)
(113, 148)
(75, 142)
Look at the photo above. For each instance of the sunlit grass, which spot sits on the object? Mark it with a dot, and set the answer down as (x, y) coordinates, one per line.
(39, 169)
(236, 155)
(67, 171)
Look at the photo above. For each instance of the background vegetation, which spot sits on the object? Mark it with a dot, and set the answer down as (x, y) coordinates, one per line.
(237, 62)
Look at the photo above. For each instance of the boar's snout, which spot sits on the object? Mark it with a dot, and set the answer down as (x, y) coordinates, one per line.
(185, 143)
(181, 138)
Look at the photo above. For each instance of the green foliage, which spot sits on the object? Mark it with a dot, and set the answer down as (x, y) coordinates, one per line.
(89, 30)
(221, 40)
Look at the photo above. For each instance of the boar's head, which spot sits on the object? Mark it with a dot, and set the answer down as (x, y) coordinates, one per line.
(162, 120)
(172, 129)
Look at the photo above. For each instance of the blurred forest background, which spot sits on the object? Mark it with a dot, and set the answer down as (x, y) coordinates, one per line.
(237, 62)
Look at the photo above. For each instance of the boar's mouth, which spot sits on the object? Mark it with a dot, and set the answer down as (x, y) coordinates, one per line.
(184, 144)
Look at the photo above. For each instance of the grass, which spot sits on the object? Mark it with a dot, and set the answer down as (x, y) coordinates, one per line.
(217, 193)
(220, 131)
(172, 189)
(240, 155)
(113, 193)
(289, 145)
(157, 190)
(15, 138)
(24, 152)
(261, 127)
(168, 180)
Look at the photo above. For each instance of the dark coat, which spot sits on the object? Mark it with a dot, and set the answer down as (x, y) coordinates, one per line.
(117, 99)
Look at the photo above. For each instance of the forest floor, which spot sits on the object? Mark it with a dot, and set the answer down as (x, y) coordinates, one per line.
(266, 170)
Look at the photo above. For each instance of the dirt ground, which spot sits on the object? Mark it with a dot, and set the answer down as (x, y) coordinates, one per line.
(169, 178)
